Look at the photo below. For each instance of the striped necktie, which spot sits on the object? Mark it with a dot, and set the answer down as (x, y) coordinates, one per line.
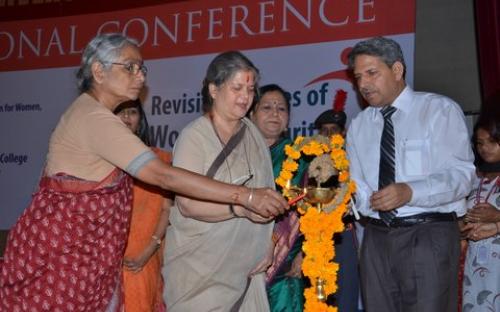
(386, 173)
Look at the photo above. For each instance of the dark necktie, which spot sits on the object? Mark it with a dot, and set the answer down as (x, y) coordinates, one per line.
(386, 174)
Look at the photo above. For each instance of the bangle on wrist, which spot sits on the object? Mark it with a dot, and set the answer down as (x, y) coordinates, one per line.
(250, 197)
(157, 240)
(498, 228)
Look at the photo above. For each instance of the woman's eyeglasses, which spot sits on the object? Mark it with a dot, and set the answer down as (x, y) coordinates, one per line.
(133, 68)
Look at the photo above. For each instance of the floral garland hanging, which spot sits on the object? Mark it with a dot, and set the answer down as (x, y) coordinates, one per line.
(317, 226)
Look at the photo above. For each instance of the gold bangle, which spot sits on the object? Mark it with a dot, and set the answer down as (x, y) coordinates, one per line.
(156, 239)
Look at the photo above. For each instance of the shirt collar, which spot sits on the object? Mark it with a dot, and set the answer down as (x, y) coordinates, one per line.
(402, 102)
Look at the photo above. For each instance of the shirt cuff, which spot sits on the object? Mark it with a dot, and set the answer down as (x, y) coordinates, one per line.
(138, 162)
(419, 191)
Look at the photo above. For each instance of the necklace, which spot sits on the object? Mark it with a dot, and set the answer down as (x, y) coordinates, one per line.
(480, 188)
(245, 178)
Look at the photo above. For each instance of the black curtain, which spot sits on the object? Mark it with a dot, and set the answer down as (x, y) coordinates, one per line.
(488, 44)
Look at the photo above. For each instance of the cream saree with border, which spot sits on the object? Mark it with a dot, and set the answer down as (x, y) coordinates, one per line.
(207, 264)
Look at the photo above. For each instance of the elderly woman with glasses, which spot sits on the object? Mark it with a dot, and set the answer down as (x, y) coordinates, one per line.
(65, 252)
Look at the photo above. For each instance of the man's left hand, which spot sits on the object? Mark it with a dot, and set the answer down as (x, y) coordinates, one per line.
(391, 197)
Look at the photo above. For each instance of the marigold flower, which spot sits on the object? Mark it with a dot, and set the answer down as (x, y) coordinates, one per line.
(337, 140)
(325, 148)
(291, 152)
(280, 181)
(290, 165)
(298, 140)
(313, 148)
(343, 176)
(286, 175)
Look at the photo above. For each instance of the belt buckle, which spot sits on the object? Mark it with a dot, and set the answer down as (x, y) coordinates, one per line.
(381, 222)
(389, 224)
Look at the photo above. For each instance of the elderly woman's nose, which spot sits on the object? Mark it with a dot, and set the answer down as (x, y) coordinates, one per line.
(141, 77)
(246, 93)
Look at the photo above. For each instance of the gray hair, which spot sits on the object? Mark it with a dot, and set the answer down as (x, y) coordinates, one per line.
(104, 48)
(221, 69)
(386, 49)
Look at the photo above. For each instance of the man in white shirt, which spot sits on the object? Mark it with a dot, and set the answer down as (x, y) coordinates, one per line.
(412, 162)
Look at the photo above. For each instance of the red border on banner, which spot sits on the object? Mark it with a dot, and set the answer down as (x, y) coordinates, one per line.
(201, 27)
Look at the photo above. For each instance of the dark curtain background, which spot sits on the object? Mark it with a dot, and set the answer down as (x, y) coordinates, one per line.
(488, 45)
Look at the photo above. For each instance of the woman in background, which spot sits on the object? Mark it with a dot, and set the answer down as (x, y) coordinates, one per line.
(142, 282)
(481, 280)
(285, 285)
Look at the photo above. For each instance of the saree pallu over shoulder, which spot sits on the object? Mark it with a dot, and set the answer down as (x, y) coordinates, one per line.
(207, 263)
(65, 251)
(286, 230)
(285, 292)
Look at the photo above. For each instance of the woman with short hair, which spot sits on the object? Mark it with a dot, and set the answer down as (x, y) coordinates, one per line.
(216, 253)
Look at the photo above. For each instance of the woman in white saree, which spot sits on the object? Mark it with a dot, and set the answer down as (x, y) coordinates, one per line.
(216, 254)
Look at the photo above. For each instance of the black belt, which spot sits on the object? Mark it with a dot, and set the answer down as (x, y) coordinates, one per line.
(415, 219)
(348, 219)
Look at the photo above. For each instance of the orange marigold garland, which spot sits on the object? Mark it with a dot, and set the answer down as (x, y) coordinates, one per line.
(318, 227)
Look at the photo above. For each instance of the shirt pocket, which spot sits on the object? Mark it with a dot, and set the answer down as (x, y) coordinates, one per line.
(416, 157)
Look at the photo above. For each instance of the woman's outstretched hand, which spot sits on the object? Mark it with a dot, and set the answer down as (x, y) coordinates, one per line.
(266, 202)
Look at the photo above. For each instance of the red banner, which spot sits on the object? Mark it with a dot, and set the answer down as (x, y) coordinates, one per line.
(200, 27)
